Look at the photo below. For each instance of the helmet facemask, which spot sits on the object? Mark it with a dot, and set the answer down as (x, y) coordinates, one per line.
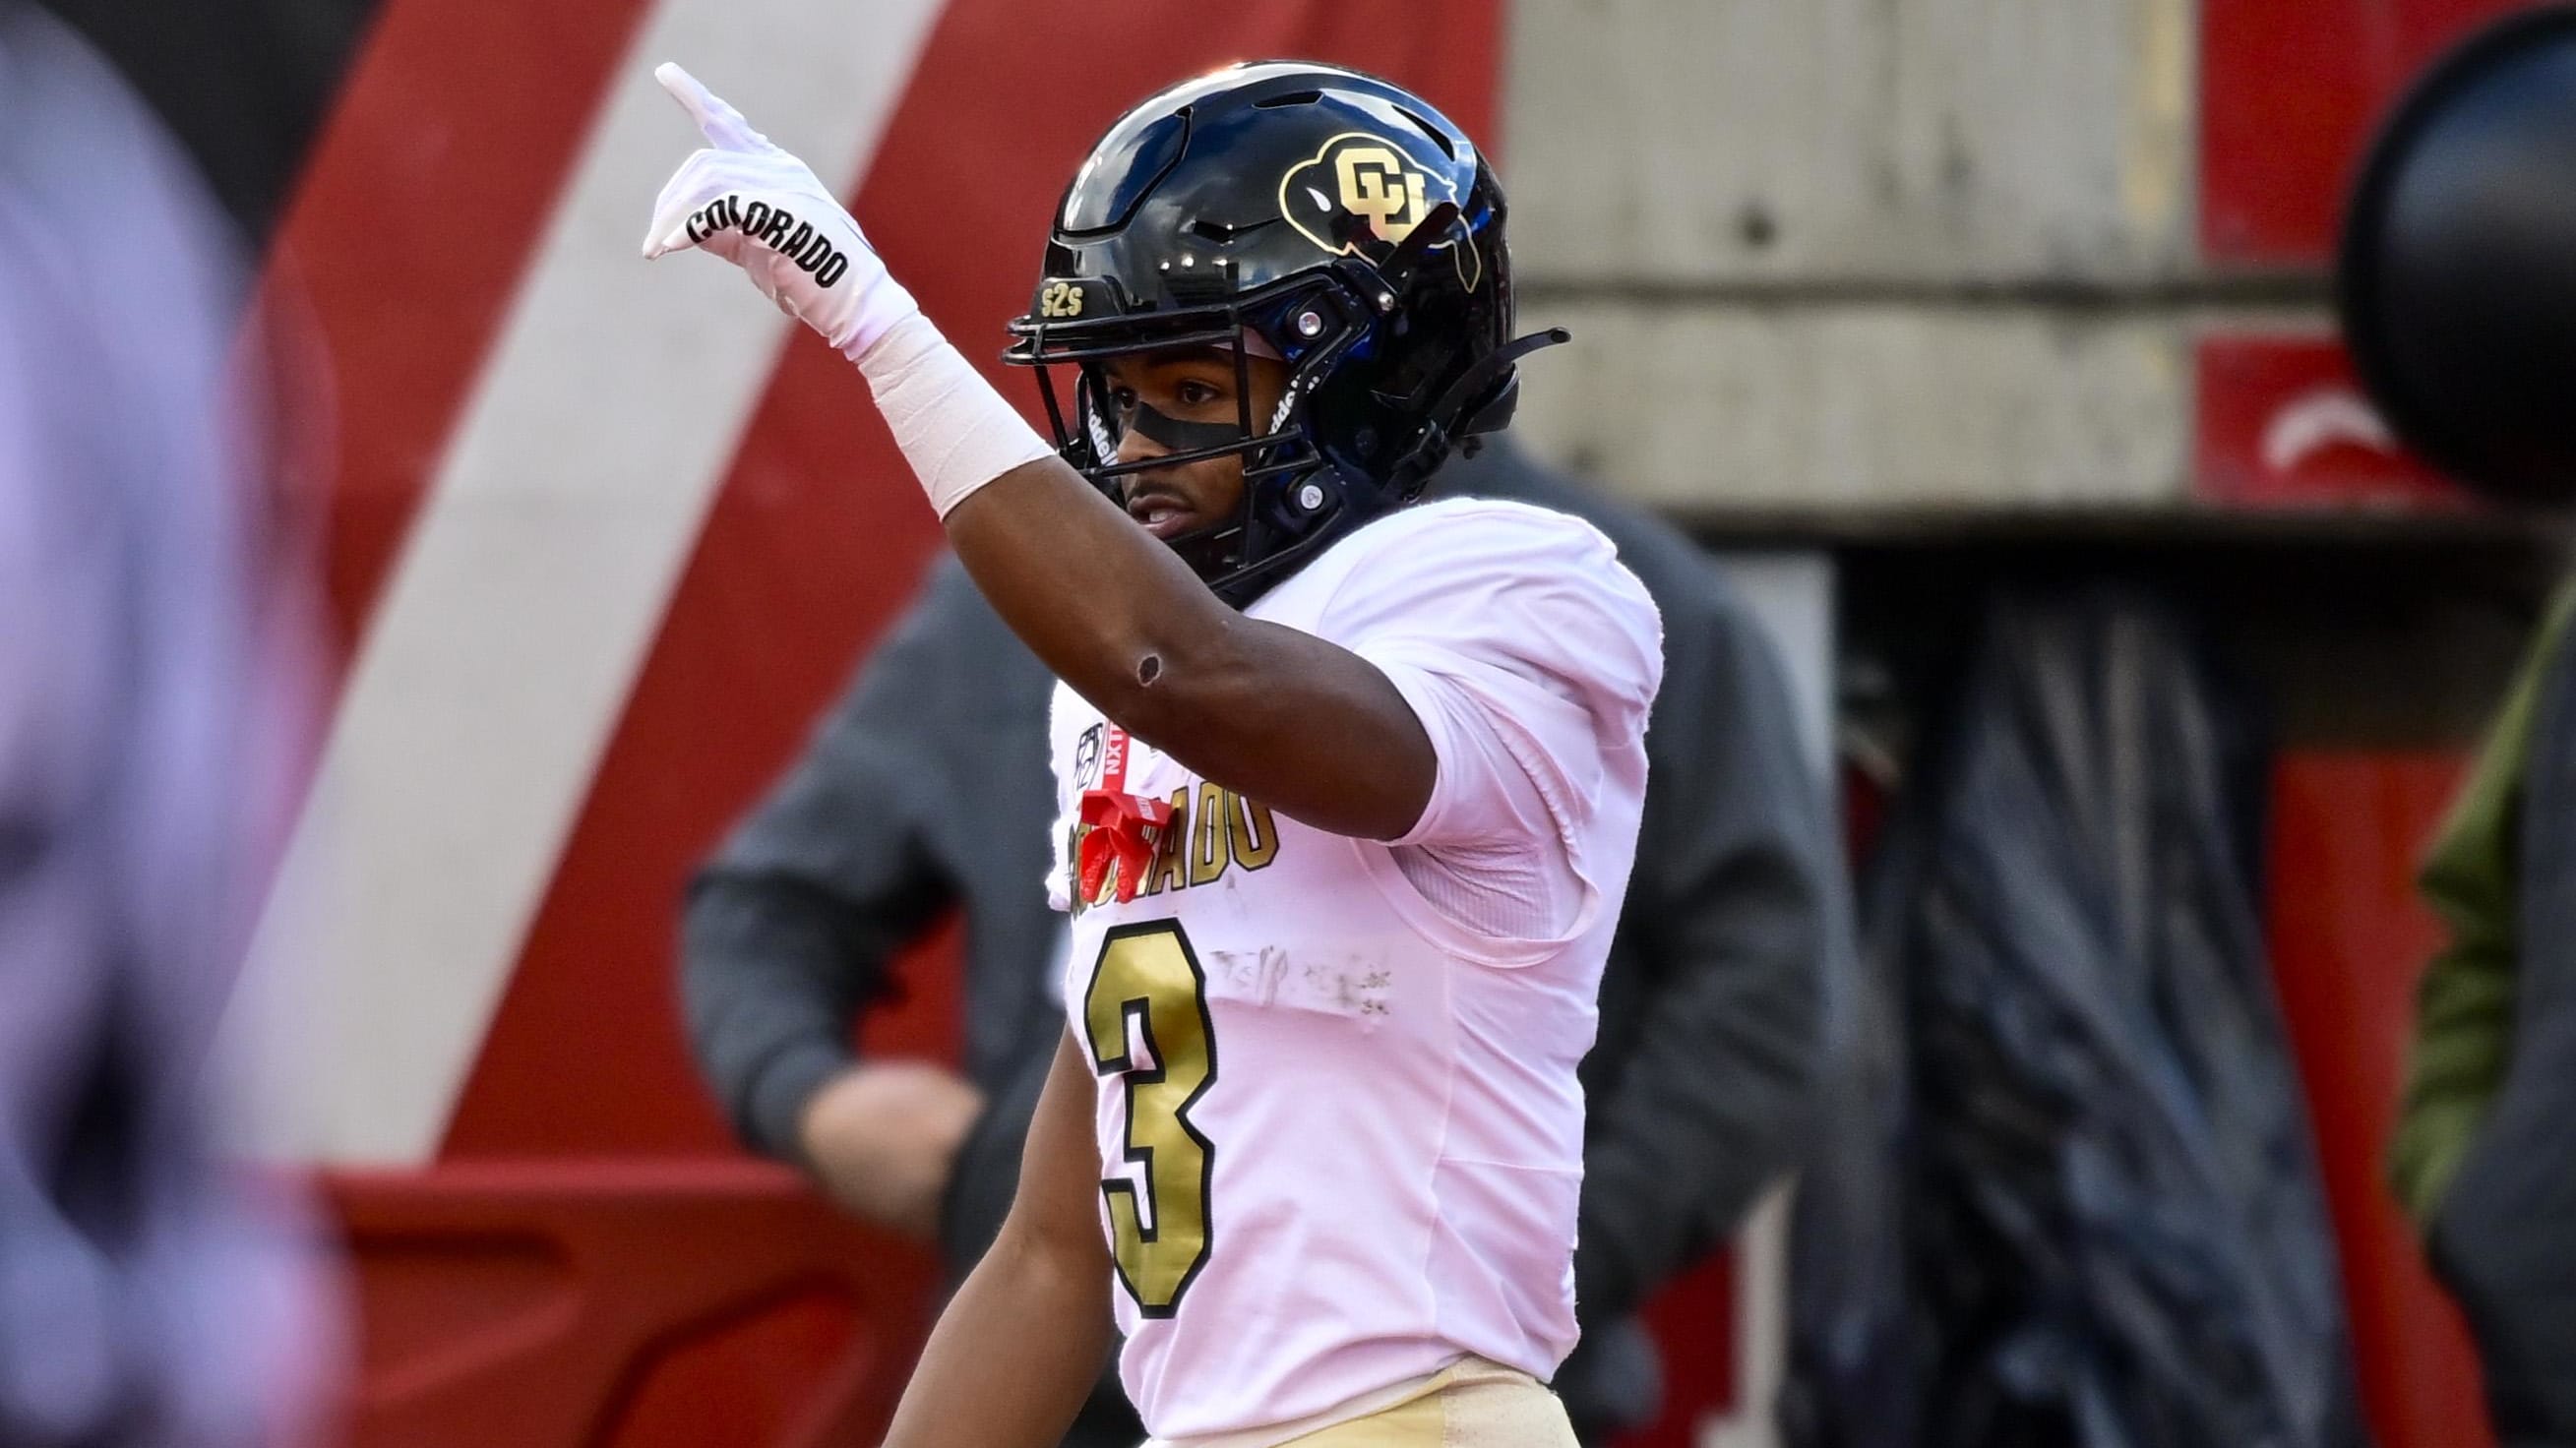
(1291, 497)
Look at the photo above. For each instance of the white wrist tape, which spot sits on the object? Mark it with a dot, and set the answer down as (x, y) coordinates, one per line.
(954, 429)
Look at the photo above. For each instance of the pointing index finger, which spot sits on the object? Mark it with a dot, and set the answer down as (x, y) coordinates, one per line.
(721, 124)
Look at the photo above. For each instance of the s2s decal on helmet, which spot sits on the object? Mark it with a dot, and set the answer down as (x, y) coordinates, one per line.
(1360, 181)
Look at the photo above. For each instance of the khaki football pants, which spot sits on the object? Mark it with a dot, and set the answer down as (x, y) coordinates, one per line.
(1471, 1404)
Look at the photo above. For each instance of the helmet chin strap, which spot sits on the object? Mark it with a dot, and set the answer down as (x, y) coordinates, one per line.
(1434, 441)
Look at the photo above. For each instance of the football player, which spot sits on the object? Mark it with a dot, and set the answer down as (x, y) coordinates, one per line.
(1349, 788)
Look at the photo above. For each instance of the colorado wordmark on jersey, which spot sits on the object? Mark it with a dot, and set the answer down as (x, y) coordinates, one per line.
(1338, 1114)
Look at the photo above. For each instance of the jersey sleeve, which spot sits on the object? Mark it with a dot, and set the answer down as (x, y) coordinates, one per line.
(1531, 657)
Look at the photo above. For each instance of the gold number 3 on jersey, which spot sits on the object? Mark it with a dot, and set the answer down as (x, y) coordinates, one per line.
(1148, 976)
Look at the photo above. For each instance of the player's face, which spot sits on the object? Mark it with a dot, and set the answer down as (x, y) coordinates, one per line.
(1197, 389)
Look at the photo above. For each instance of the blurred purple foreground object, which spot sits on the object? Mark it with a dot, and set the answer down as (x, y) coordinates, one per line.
(147, 1297)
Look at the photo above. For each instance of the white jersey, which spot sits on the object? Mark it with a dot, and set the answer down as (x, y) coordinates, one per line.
(1341, 1132)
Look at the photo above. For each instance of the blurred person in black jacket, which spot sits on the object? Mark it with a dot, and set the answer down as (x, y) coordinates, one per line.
(1711, 1004)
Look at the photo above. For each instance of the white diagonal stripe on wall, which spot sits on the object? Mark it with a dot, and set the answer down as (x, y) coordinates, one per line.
(530, 589)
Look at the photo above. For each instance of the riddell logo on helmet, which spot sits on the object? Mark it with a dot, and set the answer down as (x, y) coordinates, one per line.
(1358, 177)
(773, 227)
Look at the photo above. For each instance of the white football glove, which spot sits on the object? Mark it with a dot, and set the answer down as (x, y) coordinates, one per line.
(760, 208)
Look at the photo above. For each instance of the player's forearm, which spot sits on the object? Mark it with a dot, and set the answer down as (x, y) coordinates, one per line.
(1110, 610)
(1014, 1355)
(1304, 726)
(1309, 729)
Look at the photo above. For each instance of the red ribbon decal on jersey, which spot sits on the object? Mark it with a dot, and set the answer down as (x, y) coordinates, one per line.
(1120, 831)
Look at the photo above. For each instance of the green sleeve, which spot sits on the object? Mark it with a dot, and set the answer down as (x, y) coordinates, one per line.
(2464, 1004)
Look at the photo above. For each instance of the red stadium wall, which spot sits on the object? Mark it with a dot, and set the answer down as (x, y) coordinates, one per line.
(2349, 938)
(2289, 95)
(640, 1303)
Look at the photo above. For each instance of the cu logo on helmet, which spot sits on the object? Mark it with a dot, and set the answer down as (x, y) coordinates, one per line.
(1371, 180)
(1376, 183)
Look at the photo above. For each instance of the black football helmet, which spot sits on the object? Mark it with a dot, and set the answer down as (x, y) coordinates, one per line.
(1304, 210)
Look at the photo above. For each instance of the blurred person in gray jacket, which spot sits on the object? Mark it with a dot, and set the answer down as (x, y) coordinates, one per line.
(1711, 1003)
(147, 1297)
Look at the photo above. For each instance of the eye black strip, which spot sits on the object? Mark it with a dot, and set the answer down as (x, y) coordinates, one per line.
(1186, 436)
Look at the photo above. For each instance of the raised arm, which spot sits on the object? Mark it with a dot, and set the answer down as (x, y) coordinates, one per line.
(1311, 729)
(1308, 727)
